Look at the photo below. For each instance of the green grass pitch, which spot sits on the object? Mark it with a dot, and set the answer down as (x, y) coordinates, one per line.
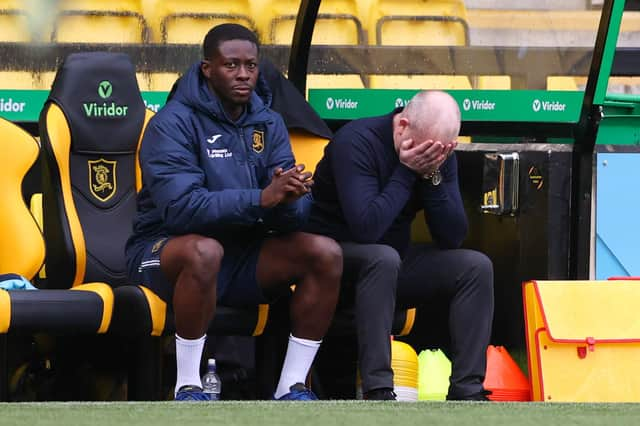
(323, 413)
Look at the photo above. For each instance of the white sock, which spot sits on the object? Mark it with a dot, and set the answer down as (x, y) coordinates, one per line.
(188, 355)
(297, 362)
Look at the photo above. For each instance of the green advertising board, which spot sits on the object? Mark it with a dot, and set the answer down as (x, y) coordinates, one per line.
(22, 105)
(475, 105)
(620, 124)
(347, 104)
(25, 105)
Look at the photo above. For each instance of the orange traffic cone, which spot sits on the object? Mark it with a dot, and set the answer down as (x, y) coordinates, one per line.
(504, 378)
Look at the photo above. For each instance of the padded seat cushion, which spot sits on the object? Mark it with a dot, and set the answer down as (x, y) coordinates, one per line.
(86, 309)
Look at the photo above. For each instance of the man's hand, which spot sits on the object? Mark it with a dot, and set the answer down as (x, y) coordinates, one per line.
(286, 186)
(420, 156)
(425, 157)
(300, 185)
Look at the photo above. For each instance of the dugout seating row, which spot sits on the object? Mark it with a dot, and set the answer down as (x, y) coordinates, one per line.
(178, 21)
(340, 22)
(90, 176)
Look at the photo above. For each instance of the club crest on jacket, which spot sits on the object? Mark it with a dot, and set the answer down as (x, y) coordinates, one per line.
(258, 141)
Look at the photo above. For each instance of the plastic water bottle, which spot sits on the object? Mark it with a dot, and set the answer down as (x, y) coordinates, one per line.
(211, 383)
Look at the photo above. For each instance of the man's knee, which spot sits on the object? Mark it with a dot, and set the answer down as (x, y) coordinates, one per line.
(479, 268)
(323, 254)
(382, 258)
(483, 264)
(209, 252)
(202, 256)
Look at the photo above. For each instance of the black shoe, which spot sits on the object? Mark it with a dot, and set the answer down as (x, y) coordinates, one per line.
(381, 394)
(478, 396)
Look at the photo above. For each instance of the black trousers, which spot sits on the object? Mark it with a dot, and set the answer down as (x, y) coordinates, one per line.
(458, 282)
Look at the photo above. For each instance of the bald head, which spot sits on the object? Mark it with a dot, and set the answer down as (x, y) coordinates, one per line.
(433, 115)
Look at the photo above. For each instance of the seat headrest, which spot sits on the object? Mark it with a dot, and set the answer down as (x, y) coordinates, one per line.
(99, 95)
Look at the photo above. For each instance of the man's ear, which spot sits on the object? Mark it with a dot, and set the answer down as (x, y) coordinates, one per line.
(205, 67)
(403, 125)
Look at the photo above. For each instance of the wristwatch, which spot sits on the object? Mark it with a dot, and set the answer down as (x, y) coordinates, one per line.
(434, 177)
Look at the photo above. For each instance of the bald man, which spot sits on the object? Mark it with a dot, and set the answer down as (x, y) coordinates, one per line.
(376, 175)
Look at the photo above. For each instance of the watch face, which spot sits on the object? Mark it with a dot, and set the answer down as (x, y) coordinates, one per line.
(436, 178)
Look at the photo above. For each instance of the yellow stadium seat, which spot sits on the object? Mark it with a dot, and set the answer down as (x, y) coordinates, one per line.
(561, 83)
(629, 85)
(21, 80)
(334, 81)
(162, 81)
(408, 22)
(188, 21)
(414, 23)
(85, 310)
(441, 82)
(97, 21)
(47, 78)
(493, 82)
(144, 81)
(14, 22)
(339, 22)
(308, 149)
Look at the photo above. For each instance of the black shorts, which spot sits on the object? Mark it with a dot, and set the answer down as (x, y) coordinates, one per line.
(237, 283)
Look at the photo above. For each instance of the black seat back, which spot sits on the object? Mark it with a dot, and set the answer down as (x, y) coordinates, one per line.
(90, 129)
